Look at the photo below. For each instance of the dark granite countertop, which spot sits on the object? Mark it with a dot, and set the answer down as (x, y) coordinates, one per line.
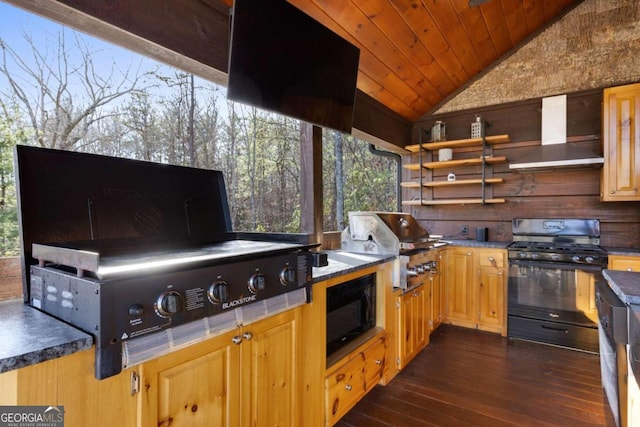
(341, 262)
(29, 336)
(625, 284)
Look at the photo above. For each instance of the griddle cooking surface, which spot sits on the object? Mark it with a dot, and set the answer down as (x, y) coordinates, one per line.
(109, 266)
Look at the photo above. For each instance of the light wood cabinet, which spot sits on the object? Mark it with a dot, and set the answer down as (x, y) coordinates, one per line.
(245, 377)
(413, 320)
(620, 176)
(324, 396)
(69, 381)
(475, 287)
(624, 263)
(348, 381)
(460, 286)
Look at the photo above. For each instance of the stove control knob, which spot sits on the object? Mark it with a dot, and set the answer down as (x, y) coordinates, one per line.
(522, 254)
(168, 304)
(576, 258)
(288, 276)
(257, 283)
(534, 255)
(555, 257)
(136, 310)
(589, 259)
(218, 292)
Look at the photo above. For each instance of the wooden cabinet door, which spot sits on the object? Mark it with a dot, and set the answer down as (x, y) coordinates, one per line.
(196, 386)
(491, 301)
(460, 285)
(270, 371)
(437, 301)
(413, 321)
(621, 139)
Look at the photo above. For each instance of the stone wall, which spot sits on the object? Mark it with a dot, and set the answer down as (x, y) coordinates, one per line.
(596, 45)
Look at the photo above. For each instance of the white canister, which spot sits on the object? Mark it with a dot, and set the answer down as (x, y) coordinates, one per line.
(445, 154)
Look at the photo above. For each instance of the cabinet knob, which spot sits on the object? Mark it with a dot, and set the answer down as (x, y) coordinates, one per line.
(468, 253)
(236, 339)
(247, 336)
(348, 387)
(629, 269)
(378, 362)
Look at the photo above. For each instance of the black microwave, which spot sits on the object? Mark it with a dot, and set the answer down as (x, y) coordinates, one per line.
(351, 311)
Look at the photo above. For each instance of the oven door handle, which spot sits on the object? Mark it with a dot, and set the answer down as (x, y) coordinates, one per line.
(555, 265)
(551, 328)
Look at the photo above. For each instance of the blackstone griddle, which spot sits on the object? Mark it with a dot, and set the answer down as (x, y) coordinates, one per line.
(142, 255)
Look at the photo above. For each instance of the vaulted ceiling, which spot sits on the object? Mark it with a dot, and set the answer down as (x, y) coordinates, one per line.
(414, 54)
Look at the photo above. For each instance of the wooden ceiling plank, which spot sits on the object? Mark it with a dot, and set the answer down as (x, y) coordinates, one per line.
(534, 12)
(554, 7)
(496, 23)
(476, 28)
(381, 94)
(516, 20)
(449, 24)
(384, 16)
(432, 39)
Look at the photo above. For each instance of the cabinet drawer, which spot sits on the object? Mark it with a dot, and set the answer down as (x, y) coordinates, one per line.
(491, 258)
(374, 363)
(624, 263)
(344, 388)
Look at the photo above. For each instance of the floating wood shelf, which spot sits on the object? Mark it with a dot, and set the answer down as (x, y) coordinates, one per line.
(456, 163)
(458, 143)
(451, 183)
(425, 182)
(451, 202)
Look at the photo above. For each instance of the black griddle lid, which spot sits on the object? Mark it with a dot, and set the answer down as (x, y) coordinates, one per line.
(68, 196)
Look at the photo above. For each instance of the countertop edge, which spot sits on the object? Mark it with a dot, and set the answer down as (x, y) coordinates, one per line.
(623, 283)
(30, 336)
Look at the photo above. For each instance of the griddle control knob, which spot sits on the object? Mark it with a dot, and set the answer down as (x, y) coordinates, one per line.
(168, 304)
(257, 283)
(288, 276)
(136, 310)
(219, 292)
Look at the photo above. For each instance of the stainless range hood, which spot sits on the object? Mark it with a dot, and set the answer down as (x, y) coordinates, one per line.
(556, 157)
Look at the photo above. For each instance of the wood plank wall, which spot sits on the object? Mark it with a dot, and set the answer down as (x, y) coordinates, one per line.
(552, 194)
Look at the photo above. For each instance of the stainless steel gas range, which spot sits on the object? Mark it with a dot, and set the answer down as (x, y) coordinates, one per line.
(142, 255)
(554, 265)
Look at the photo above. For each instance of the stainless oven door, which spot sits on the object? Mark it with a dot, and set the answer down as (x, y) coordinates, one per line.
(557, 292)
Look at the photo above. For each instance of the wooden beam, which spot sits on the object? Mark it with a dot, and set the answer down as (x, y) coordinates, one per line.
(311, 205)
(190, 35)
(373, 118)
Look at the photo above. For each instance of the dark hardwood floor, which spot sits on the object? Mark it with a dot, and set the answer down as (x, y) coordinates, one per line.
(471, 378)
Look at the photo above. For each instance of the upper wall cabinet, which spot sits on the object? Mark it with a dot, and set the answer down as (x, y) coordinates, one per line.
(621, 139)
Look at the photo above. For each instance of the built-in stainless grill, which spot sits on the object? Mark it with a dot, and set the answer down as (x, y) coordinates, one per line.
(392, 233)
(142, 255)
(554, 265)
